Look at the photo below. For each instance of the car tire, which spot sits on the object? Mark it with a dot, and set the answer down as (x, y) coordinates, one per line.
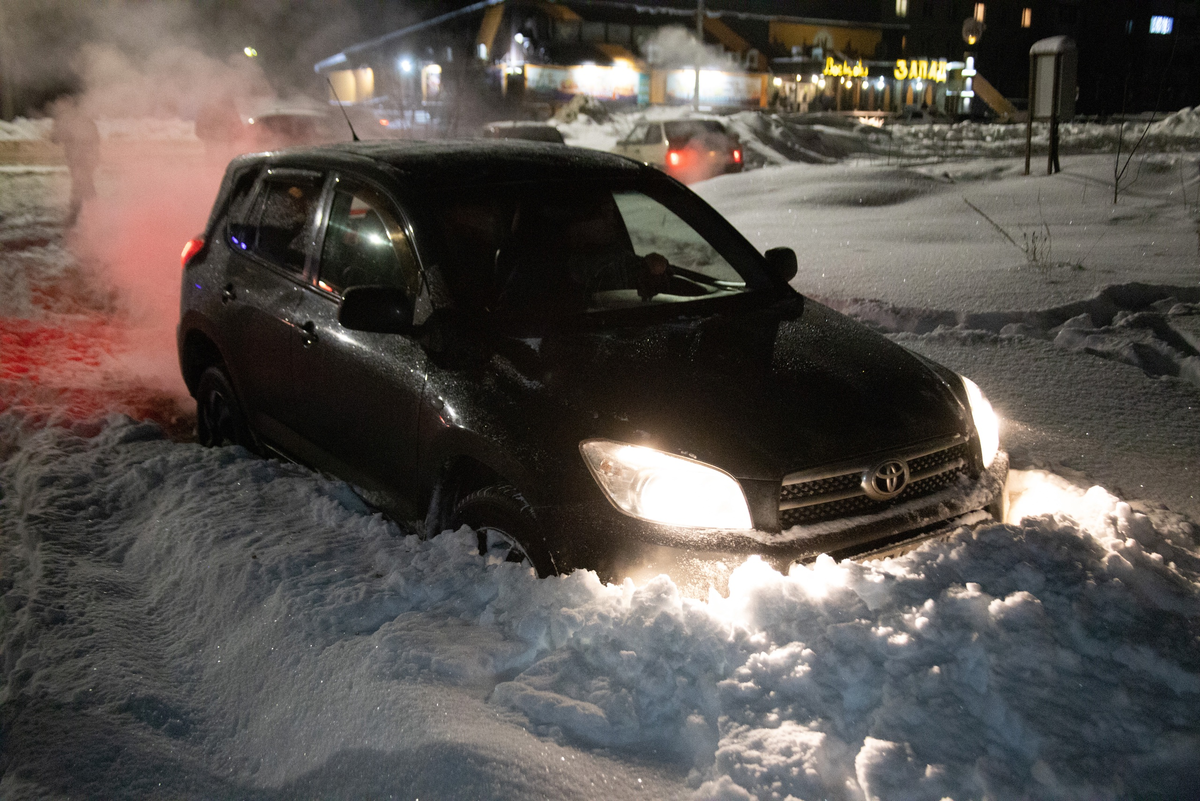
(219, 416)
(505, 524)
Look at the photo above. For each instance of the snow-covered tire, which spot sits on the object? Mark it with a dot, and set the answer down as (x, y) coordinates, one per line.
(219, 416)
(505, 523)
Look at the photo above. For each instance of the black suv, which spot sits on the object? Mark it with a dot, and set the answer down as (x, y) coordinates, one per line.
(569, 352)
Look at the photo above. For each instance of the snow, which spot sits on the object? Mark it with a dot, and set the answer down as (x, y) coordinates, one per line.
(25, 129)
(136, 128)
(194, 623)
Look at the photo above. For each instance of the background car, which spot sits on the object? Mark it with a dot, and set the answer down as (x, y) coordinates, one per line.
(278, 127)
(568, 352)
(532, 131)
(690, 150)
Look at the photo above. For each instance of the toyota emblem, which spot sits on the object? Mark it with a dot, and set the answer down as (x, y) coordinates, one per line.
(885, 481)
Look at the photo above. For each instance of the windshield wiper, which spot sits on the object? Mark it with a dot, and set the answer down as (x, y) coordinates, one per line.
(708, 280)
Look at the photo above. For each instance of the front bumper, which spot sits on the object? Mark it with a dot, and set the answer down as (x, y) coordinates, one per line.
(620, 547)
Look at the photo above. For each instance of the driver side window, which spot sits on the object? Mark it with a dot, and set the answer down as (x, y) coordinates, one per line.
(366, 245)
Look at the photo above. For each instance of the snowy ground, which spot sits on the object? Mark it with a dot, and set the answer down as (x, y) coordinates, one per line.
(188, 623)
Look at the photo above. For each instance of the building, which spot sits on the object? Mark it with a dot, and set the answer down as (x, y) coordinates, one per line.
(525, 57)
(521, 58)
(1134, 55)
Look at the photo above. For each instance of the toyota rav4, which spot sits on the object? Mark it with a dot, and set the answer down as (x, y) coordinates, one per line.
(569, 352)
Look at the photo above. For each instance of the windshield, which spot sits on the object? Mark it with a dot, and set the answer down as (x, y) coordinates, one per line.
(540, 250)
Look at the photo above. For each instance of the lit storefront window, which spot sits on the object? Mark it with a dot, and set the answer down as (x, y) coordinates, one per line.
(1162, 25)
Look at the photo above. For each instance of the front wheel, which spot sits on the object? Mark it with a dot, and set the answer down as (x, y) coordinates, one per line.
(219, 417)
(504, 522)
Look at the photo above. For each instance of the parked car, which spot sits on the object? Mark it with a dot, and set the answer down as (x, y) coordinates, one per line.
(281, 127)
(690, 150)
(569, 352)
(532, 131)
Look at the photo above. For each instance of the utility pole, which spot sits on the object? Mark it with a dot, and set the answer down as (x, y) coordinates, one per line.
(8, 106)
(699, 52)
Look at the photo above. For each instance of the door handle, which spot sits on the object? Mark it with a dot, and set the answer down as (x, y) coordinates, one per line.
(227, 294)
(308, 333)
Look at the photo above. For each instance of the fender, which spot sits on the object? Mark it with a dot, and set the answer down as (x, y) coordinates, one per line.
(450, 443)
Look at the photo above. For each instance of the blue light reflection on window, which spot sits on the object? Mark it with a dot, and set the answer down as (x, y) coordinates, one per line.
(1163, 25)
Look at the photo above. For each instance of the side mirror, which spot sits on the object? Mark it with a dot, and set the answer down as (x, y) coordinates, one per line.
(782, 263)
(379, 309)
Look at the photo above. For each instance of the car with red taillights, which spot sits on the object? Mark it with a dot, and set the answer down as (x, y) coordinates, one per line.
(690, 149)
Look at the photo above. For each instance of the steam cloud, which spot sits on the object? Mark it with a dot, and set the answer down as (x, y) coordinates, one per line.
(677, 47)
(139, 69)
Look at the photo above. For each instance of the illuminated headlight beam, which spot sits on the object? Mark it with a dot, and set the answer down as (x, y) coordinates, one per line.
(663, 488)
(987, 424)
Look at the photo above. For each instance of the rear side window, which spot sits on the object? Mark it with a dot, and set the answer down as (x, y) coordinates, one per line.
(276, 225)
(637, 136)
(240, 195)
(287, 209)
(365, 245)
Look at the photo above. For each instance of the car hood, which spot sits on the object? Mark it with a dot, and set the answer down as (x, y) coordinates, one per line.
(759, 394)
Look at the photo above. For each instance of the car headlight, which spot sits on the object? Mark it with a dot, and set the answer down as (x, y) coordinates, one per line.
(662, 488)
(987, 424)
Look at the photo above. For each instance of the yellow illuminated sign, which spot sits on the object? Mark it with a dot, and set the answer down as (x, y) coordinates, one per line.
(921, 70)
(845, 69)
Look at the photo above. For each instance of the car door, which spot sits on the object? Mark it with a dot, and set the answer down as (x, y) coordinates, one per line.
(269, 239)
(361, 390)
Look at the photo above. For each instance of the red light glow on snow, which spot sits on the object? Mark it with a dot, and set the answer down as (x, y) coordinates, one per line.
(71, 372)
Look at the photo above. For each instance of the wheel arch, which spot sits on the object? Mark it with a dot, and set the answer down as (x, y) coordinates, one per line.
(459, 465)
(197, 352)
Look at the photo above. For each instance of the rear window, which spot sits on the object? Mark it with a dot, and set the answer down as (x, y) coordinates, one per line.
(679, 132)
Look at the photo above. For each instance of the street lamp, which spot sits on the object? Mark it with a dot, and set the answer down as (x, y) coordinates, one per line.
(699, 53)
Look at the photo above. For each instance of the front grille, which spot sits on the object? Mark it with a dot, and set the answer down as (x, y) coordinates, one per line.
(804, 501)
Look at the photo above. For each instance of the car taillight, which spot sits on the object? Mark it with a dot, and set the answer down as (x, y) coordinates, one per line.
(737, 157)
(190, 250)
(674, 157)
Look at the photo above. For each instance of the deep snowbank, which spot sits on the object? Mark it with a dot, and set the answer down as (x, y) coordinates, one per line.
(233, 625)
(779, 138)
(1151, 327)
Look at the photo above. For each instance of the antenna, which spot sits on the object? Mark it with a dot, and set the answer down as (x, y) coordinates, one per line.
(343, 108)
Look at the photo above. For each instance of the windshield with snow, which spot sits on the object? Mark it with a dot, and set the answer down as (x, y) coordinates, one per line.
(585, 247)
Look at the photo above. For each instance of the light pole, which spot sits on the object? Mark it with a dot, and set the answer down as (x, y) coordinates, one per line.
(699, 53)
